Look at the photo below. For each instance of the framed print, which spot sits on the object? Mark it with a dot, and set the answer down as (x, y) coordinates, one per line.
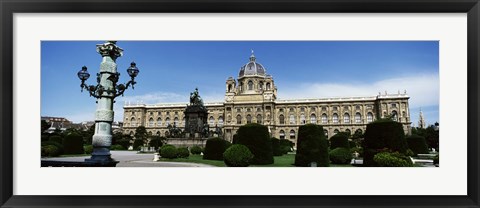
(316, 57)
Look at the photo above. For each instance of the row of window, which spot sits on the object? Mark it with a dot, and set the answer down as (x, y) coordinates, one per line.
(324, 118)
(324, 108)
(325, 131)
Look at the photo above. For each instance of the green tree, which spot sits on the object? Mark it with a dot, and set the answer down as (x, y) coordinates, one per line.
(44, 126)
(312, 146)
(141, 134)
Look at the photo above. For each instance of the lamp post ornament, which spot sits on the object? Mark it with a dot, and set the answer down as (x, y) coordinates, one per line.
(105, 92)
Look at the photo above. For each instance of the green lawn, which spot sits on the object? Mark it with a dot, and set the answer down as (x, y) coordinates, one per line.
(279, 161)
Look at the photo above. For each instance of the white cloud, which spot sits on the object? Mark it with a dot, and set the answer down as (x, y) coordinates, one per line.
(423, 89)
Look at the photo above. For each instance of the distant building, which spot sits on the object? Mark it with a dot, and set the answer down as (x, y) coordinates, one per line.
(57, 123)
(252, 98)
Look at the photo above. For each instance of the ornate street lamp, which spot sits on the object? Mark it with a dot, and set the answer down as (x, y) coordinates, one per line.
(105, 92)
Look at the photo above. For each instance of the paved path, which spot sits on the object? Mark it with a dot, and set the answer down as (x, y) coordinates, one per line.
(132, 159)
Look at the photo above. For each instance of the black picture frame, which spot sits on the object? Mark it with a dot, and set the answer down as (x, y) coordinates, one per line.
(10, 7)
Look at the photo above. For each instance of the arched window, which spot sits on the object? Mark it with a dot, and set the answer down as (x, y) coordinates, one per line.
(250, 85)
(369, 117)
(131, 133)
(167, 121)
(211, 121)
(220, 121)
(292, 119)
(394, 116)
(302, 119)
(249, 119)
(175, 121)
(268, 85)
(335, 131)
(126, 122)
(325, 132)
(158, 133)
(358, 118)
(292, 134)
(346, 118)
(260, 86)
(239, 119)
(281, 118)
(159, 122)
(134, 122)
(358, 131)
(324, 118)
(348, 131)
(282, 134)
(259, 119)
(229, 88)
(313, 119)
(150, 122)
(335, 118)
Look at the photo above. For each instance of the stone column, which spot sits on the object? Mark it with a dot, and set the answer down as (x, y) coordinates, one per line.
(102, 139)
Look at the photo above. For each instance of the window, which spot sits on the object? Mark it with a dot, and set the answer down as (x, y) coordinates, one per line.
(358, 118)
(335, 131)
(292, 119)
(348, 131)
(175, 121)
(324, 108)
(249, 119)
(250, 85)
(281, 110)
(369, 117)
(211, 121)
(291, 110)
(335, 108)
(345, 108)
(260, 86)
(324, 118)
(151, 113)
(150, 122)
(259, 109)
(357, 107)
(282, 134)
(239, 110)
(335, 118)
(259, 118)
(346, 118)
(302, 109)
(312, 109)
(239, 119)
(134, 122)
(268, 86)
(394, 105)
(167, 121)
(292, 134)
(281, 118)
(159, 122)
(220, 121)
(249, 109)
(158, 133)
(394, 116)
(229, 88)
(302, 119)
(313, 119)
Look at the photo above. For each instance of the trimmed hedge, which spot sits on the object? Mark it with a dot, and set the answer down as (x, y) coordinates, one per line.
(277, 149)
(312, 146)
(88, 149)
(380, 135)
(196, 150)
(73, 144)
(257, 139)
(286, 146)
(117, 147)
(237, 155)
(340, 155)
(50, 151)
(168, 151)
(417, 144)
(339, 140)
(56, 144)
(182, 152)
(56, 138)
(214, 149)
(388, 159)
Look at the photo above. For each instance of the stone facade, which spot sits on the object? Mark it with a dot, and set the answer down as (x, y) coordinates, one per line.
(252, 98)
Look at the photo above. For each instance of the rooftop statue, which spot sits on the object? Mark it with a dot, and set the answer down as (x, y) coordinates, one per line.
(195, 98)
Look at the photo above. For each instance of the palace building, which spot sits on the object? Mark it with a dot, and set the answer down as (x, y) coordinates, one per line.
(252, 98)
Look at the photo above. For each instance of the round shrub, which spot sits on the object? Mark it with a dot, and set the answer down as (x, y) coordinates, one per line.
(340, 155)
(339, 140)
(73, 144)
(257, 139)
(182, 152)
(417, 144)
(383, 134)
(387, 159)
(214, 149)
(88, 149)
(196, 150)
(117, 147)
(168, 151)
(311, 146)
(237, 155)
(286, 146)
(50, 151)
(56, 144)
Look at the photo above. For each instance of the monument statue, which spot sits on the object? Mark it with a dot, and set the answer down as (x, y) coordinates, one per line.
(196, 117)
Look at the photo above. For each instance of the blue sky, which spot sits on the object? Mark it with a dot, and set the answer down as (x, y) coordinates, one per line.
(170, 70)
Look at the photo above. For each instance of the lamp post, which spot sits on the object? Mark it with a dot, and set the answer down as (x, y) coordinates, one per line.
(105, 92)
